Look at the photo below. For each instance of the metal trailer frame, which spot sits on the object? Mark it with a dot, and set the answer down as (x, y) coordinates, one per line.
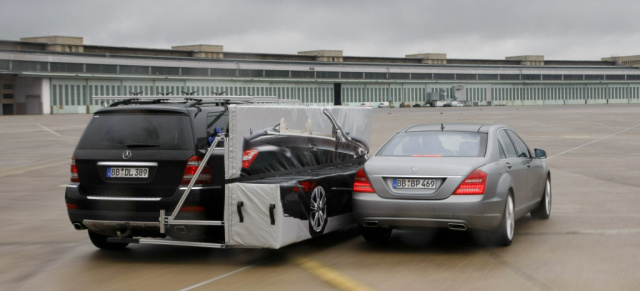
(165, 221)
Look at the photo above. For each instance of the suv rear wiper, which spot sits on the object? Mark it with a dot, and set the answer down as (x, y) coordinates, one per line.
(141, 145)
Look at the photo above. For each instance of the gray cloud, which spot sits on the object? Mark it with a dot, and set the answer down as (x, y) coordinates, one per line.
(568, 29)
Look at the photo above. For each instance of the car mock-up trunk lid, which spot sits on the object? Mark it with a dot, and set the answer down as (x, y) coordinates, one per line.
(133, 154)
(419, 177)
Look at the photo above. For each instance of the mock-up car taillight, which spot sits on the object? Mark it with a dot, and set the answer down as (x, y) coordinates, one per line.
(190, 170)
(361, 182)
(474, 184)
(248, 157)
(74, 171)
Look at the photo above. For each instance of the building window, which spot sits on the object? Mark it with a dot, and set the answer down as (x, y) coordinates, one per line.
(101, 69)
(466, 77)
(303, 74)
(531, 77)
(276, 74)
(29, 66)
(552, 77)
(66, 67)
(444, 76)
(615, 77)
(351, 75)
(5, 65)
(7, 86)
(573, 77)
(223, 72)
(593, 77)
(134, 70)
(375, 76)
(633, 77)
(421, 76)
(509, 77)
(488, 77)
(165, 71)
(327, 75)
(195, 72)
(251, 73)
(399, 76)
(7, 96)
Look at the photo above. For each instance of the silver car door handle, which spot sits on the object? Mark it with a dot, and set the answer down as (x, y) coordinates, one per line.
(528, 165)
(509, 165)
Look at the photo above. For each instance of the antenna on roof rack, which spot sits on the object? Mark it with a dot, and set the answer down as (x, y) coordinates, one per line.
(165, 94)
(135, 93)
(442, 126)
(189, 93)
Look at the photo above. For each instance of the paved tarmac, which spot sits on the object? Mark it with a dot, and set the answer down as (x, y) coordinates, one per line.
(591, 241)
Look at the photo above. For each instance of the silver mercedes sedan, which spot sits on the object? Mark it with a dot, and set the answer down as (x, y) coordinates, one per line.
(456, 176)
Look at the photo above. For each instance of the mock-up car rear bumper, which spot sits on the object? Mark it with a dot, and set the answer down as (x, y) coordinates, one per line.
(472, 211)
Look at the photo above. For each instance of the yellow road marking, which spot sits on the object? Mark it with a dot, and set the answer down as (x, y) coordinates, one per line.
(330, 276)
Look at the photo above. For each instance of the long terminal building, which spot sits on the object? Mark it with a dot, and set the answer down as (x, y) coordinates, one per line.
(60, 74)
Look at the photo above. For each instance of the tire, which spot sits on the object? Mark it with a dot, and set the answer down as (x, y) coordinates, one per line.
(503, 234)
(100, 241)
(375, 234)
(317, 211)
(544, 209)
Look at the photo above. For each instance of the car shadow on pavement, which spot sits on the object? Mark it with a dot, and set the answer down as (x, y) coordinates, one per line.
(430, 240)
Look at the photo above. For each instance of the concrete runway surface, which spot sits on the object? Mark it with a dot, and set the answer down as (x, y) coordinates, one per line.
(591, 241)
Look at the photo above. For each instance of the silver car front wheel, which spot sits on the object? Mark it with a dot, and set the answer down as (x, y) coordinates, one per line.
(544, 209)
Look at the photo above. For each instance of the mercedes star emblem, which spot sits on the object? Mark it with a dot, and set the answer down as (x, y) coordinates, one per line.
(126, 154)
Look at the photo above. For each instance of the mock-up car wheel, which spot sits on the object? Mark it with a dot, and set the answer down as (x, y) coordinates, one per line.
(503, 234)
(544, 209)
(100, 241)
(317, 211)
(375, 234)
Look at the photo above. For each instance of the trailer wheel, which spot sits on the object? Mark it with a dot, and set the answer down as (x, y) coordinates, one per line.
(317, 211)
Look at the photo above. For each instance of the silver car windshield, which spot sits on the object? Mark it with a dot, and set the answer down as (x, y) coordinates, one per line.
(436, 144)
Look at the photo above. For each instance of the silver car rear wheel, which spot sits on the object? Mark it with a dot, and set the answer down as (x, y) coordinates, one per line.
(503, 234)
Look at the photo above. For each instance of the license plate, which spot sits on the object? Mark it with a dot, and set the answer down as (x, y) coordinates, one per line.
(414, 184)
(117, 172)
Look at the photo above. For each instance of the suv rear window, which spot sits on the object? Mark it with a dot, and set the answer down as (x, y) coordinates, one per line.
(116, 131)
(436, 143)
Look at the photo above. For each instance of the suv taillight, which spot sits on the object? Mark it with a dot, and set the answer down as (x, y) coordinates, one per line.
(248, 157)
(74, 171)
(361, 182)
(474, 184)
(190, 170)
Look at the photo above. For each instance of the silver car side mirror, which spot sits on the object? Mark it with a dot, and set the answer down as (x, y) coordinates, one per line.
(541, 154)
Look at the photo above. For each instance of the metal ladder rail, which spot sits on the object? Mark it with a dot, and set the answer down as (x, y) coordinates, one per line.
(171, 220)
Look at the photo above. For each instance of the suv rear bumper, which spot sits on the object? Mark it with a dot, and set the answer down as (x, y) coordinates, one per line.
(114, 209)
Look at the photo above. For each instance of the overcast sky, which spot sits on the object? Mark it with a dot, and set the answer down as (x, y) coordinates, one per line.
(494, 29)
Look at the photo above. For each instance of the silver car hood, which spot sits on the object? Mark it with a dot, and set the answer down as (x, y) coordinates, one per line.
(448, 173)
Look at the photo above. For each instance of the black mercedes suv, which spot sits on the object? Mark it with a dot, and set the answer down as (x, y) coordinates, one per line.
(137, 157)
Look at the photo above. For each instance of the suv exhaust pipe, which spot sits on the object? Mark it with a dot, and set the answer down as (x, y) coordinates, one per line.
(457, 226)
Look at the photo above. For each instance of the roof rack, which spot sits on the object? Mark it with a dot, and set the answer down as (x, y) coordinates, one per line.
(193, 100)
